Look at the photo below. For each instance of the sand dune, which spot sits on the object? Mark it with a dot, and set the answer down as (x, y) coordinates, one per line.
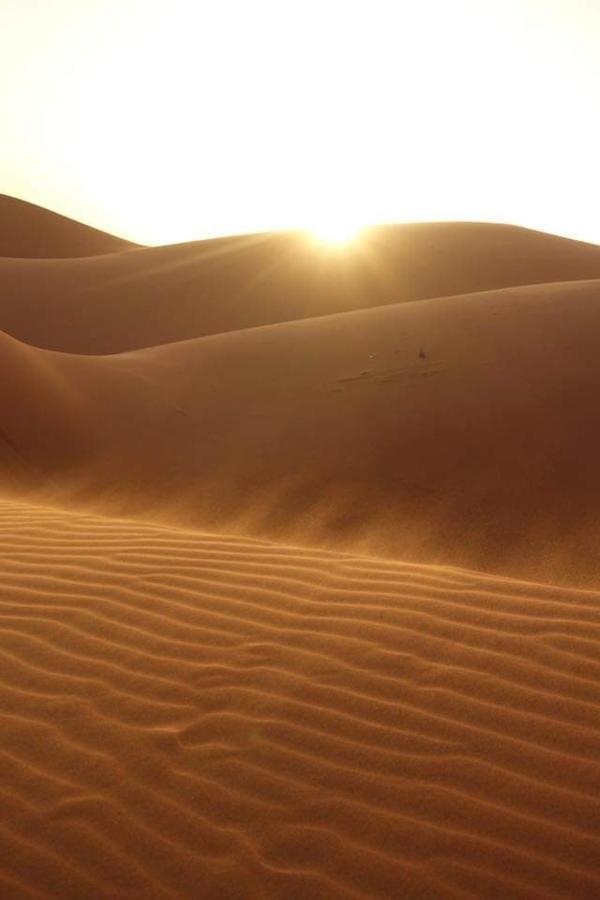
(44, 423)
(459, 430)
(244, 651)
(188, 715)
(29, 231)
(158, 295)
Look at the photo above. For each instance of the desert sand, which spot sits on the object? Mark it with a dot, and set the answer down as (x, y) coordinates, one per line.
(29, 231)
(299, 570)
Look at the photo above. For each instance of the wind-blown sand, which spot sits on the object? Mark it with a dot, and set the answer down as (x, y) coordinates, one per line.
(458, 430)
(244, 649)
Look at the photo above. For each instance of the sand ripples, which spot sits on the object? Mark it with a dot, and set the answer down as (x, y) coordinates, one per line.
(197, 716)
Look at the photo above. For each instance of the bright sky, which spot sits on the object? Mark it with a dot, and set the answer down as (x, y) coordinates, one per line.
(170, 120)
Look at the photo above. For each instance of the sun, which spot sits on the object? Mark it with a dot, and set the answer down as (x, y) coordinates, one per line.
(335, 233)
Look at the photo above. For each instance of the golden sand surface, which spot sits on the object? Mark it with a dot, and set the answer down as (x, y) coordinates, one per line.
(299, 570)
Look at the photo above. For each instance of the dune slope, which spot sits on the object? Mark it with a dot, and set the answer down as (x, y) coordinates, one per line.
(158, 295)
(30, 231)
(45, 424)
(461, 430)
(188, 715)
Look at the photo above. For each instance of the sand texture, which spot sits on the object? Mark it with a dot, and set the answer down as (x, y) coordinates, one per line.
(199, 716)
(299, 575)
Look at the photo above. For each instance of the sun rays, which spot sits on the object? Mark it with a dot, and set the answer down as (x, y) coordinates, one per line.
(336, 232)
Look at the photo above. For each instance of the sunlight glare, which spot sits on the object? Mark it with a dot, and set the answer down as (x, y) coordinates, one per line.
(335, 233)
(301, 112)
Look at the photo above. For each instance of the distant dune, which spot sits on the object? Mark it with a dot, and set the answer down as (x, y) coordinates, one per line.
(264, 530)
(29, 231)
(162, 294)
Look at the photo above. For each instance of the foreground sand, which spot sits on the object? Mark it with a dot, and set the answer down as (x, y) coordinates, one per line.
(192, 715)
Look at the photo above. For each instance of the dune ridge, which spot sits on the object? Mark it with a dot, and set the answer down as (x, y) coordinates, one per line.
(455, 430)
(31, 232)
(277, 721)
(159, 295)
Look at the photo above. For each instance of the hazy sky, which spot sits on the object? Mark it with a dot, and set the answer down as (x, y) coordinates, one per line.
(174, 120)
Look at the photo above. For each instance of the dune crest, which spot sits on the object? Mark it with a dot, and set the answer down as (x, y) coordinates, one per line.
(32, 232)
(158, 295)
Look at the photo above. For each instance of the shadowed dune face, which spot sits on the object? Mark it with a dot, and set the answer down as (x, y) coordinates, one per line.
(458, 430)
(29, 231)
(186, 715)
(159, 295)
(45, 425)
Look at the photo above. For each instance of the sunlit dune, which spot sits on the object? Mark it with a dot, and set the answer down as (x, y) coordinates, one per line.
(299, 450)
(299, 581)
(157, 295)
